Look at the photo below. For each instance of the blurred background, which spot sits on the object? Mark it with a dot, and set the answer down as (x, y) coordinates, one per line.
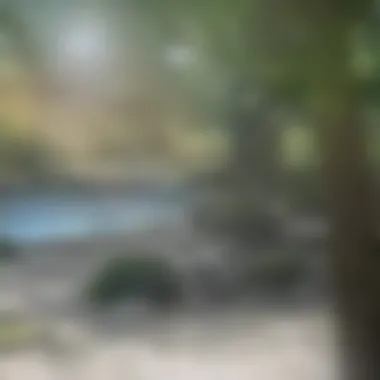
(162, 209)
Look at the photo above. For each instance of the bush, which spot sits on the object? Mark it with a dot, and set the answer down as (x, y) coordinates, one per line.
(277, 273)
(141, 277)
(8, 250)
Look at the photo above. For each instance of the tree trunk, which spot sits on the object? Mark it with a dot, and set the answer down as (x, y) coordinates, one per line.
(356, 253)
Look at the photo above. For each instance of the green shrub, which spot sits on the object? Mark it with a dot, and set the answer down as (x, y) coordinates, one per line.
(145, 277)
(8, 250)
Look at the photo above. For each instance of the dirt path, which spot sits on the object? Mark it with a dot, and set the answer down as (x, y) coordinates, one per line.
(135, 345)
(237, 346)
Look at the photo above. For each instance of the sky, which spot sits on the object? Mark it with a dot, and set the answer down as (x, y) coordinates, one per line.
(80, 43)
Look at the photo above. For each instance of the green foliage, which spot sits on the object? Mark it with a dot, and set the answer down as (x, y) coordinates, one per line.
(299, 147)
(287, 45)
(16, 28)
(139, 276)
(21, 155)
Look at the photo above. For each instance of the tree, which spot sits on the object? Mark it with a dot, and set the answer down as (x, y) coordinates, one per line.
(224, 71)
(310, 45)
(14, 27)
(334, 91)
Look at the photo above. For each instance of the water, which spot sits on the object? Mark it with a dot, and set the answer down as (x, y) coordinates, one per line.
(35, 216)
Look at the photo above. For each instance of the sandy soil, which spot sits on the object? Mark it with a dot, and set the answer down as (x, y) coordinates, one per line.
(134, 344)
(240, 346)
